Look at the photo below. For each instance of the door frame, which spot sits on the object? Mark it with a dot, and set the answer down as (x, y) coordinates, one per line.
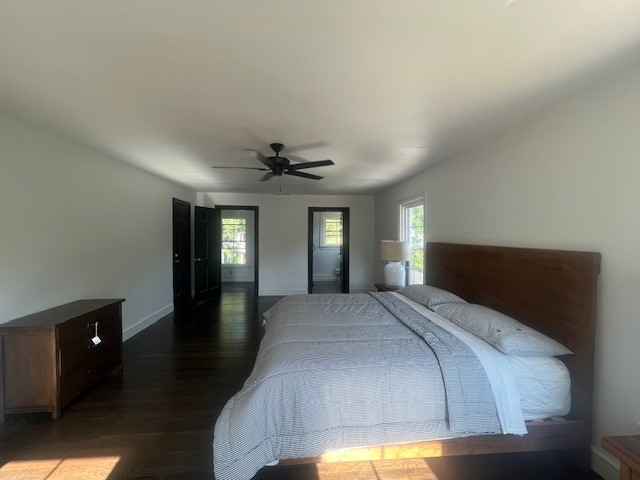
(256, 210)
(344, 271)
(189, 295)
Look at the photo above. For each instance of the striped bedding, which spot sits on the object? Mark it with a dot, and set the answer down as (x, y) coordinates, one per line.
(340, 371)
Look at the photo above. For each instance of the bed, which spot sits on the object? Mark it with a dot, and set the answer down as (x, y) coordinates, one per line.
(372, 352)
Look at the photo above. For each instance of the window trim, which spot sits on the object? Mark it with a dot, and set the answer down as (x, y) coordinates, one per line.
(404, 206)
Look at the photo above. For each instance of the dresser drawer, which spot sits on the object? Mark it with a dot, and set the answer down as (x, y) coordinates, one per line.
(100, 363)
(74, 382)
(82, 350)
(73, 329)
(75, 353)
(84, 325)
(107, 357)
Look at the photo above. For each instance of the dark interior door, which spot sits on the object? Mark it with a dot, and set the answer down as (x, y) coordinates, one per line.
(207, 252)
(181, 253)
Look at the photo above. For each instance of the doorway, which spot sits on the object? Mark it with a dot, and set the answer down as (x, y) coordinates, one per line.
(328, 250)
(181, 254)
(239, 258)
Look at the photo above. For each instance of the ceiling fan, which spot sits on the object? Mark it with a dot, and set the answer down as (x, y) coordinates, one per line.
(277, 165)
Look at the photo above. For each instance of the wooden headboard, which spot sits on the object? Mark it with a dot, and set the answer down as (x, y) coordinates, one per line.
(552, 291)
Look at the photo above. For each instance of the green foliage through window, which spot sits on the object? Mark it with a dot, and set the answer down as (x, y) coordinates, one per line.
(332, 232)
(234, 243)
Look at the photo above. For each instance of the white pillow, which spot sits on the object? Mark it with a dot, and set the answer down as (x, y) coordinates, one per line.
(429, 296)
(503, 332)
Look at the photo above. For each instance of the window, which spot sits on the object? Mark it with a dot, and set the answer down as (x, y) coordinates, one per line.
(330, 231)
(412, 228)
(234, 241)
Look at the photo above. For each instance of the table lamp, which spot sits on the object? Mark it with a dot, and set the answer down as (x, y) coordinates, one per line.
(396, 253)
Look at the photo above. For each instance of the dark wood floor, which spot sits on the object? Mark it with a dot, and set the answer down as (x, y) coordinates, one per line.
(327, 286)
(155, 420)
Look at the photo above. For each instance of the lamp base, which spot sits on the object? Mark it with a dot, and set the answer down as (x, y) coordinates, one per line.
(394, 274)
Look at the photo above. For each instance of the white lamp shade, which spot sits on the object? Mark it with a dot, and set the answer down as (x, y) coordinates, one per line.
(395, 251)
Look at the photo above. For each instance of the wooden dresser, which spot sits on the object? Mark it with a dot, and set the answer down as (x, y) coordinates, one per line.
(48, 358)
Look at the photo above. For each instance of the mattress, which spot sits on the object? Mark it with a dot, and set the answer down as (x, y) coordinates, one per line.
(544, 386)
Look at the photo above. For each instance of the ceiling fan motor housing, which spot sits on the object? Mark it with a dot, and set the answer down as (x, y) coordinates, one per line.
(280, 162)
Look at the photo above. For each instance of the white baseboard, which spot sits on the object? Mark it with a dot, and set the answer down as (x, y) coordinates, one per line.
(604, 464)
(129, 332)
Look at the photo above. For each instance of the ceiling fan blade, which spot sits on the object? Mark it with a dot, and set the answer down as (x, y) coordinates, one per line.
(319, 163)
(306, 146)
(243, 168)
(303, 175)
(261, 157)
(296, 158)
(267, 176)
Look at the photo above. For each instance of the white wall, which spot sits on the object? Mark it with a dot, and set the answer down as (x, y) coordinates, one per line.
(242, 273)
(567, 178)
(283, 232)
(78, 224)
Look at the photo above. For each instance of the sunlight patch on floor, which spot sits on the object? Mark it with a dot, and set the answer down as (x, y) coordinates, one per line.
(404, 469)
(385, 452)
(89, 468)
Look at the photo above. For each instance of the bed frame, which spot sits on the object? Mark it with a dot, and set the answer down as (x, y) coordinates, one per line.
(550, 290)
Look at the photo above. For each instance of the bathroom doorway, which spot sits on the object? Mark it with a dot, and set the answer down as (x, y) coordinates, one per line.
(239, 249)
(328, 250)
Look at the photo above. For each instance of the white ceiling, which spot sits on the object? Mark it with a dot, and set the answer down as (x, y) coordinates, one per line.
(383, 88)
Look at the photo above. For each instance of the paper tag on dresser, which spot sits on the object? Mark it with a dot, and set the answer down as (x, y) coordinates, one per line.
(96, 339)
